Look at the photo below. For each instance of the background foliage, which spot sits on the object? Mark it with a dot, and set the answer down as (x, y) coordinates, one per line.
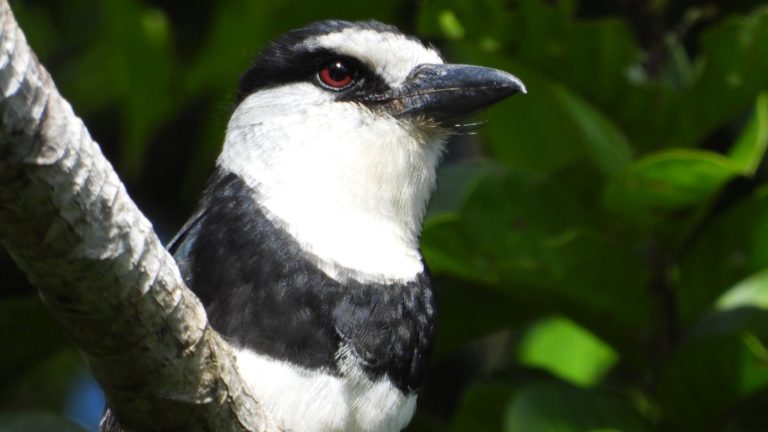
(600, 247)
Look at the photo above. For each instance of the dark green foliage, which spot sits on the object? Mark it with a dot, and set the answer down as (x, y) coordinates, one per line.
(601, 255)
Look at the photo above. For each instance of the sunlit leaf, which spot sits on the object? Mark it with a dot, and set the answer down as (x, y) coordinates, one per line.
(752, 291)
(750, 148)
(450, 25)
(567, 350)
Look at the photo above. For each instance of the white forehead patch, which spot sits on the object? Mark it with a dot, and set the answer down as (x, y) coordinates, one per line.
(392, 56)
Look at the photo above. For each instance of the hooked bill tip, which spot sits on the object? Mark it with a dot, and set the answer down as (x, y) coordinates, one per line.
(522, 90)
(513, 83)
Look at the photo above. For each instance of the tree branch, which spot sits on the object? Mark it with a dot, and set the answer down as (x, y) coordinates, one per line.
(68, 222)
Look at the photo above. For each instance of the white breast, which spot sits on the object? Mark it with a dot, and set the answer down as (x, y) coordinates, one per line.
(302, 400)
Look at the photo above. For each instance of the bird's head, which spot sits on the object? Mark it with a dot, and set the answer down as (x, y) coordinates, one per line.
(339, 128)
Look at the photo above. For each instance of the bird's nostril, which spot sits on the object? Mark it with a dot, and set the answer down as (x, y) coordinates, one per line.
(423, 70)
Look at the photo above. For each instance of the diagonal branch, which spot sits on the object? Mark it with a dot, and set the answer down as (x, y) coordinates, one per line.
(68, 222)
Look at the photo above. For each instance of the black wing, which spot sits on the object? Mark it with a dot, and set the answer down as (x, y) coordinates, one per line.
(189, 227)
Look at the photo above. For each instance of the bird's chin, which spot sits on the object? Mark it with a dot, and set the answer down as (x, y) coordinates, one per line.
(432, 133)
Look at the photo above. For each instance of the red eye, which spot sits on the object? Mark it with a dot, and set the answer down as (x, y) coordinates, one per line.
(336, 75)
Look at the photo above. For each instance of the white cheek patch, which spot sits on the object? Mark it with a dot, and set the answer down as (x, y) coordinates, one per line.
(390, 55)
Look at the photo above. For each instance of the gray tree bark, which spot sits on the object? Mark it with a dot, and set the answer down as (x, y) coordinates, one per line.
(69, 224)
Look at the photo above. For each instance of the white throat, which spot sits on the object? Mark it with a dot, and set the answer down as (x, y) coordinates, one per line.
(351, 186)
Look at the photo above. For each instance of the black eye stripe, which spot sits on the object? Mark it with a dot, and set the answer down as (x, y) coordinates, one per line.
(287, 65)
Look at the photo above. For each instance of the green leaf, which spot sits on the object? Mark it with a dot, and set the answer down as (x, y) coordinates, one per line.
(444, 247)
(129, 64)
(733, 247)
(567, 350)
(667, 181)
(749, 149)
(722, 365)
(450, 25)
(457, 19)
(554, 407)
(534, 242)
(752, 291)
(590, 57)
(550, 127)
(605, 144)
(143, 67)
(734, 60)
(532, 132)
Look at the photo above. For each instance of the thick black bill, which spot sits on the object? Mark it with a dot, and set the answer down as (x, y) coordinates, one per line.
(447, 93)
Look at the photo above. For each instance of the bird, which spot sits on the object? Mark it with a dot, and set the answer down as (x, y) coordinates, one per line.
(304, 247)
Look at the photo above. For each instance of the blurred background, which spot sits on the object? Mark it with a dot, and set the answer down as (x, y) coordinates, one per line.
(600, 247)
